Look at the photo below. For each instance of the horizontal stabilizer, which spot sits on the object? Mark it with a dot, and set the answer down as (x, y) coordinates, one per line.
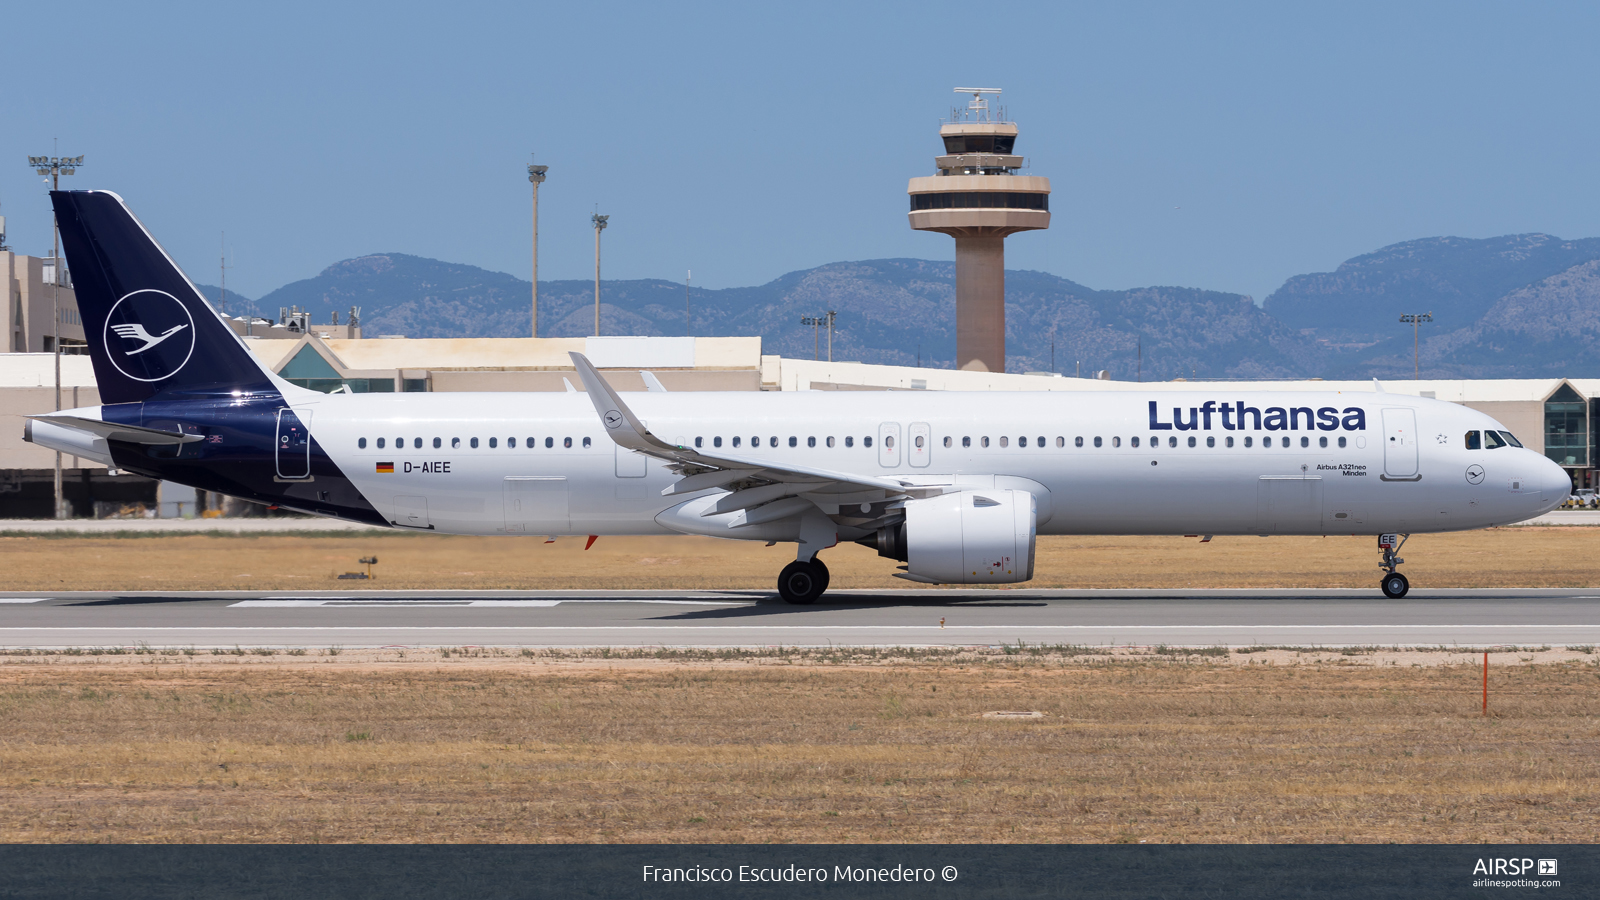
(112, 431)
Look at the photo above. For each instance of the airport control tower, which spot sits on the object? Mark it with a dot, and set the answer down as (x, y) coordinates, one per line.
(977, 198)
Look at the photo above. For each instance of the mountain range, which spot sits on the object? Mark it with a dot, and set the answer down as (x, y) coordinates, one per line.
(1514, 306)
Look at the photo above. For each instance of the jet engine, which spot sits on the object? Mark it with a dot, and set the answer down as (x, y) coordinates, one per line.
(964, 537)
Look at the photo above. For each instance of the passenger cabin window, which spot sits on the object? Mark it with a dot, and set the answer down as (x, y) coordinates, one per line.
(551, 442)
(1172, 441)
(966, 442)
(984, 441)
(736, 440)
(716, 441)
(455, 443)
(1062, 442)
(1077, 442)
(866, 441)
(1341, 442)
(362, 443)
(1041, 442)
(380, 443)
(947, 441)
(566, 443)
(586, 442)
(698, 442)
(1097, 440)
(438, 442)
(1191, 440)
(530, 444)
(1116, 442)
(830, 441)
(1474, 441)
(1210, 441)
(795, 442)
(1135, 440)
(474, 443)
(1249, 440)
(1004, 441)
(1229, 440)
(494, 442)
(849, 441)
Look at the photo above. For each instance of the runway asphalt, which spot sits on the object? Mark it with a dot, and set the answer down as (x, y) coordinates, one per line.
(1328, 618)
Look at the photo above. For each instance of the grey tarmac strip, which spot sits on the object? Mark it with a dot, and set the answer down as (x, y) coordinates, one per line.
(1328, 618)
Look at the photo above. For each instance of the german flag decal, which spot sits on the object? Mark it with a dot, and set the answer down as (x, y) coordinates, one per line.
(386, 468)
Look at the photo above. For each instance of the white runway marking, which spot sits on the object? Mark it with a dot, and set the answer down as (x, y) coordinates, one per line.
(353, 603)
(24, 599)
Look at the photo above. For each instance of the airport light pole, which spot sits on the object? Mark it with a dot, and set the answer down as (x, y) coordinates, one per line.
(816, 334)
(54, 167)
(599, 226)
(536, 175)
(1415, 320)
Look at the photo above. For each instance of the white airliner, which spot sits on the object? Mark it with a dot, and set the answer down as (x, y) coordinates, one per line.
(955, 485)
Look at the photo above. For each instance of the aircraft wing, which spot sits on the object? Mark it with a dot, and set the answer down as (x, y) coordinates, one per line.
(754, 480)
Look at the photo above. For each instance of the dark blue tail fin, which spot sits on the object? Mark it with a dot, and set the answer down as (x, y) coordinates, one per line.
(149, 331)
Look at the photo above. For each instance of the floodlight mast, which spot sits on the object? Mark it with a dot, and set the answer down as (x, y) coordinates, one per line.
(1415, 320)
(599, 226)
(54, 167)
(536, 175)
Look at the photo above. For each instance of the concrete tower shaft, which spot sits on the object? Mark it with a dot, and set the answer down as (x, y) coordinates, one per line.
(978, 199)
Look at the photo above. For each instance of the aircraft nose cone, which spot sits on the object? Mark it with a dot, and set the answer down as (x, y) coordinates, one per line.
(1554, 483)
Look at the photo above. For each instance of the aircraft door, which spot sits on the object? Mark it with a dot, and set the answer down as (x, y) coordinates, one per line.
(919, 444)
(411, 512)
(293, 446)
(889, 444)
(536, 503)
(1400, 443)
(1289, 505)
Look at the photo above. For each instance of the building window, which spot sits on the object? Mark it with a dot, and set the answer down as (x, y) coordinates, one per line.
(1566, 428)
(413, 385)
(980, 200)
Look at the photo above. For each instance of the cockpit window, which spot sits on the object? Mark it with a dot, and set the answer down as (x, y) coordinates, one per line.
(1511, 439)
(1492, 441)
(1474, 442)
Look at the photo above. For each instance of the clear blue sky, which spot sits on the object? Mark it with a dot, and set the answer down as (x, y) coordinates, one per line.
(1225, 146)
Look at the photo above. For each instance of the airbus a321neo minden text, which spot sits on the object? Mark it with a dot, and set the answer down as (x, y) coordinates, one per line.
(955, 485)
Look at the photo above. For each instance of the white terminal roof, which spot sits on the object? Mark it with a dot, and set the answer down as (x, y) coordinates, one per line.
(528, 353)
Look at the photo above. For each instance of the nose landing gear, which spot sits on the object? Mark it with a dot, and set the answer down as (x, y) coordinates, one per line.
(1394, 584)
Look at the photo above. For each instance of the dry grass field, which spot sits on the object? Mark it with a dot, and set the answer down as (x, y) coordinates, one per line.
(1505, 557)
(430, 746)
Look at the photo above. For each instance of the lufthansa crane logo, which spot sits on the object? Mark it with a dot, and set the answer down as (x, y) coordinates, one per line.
(612, 418)
(149, 335)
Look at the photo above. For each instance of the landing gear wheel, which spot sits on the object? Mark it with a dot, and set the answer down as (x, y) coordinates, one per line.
(1395, 585)
(802, 582)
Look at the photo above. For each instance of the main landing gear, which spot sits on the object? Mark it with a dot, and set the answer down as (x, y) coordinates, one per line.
(803, 582)
(1394, 584)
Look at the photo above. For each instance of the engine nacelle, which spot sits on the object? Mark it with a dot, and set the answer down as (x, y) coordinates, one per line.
(965, 537)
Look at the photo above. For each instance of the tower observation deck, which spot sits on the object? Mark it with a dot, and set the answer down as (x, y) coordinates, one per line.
(978, 199)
